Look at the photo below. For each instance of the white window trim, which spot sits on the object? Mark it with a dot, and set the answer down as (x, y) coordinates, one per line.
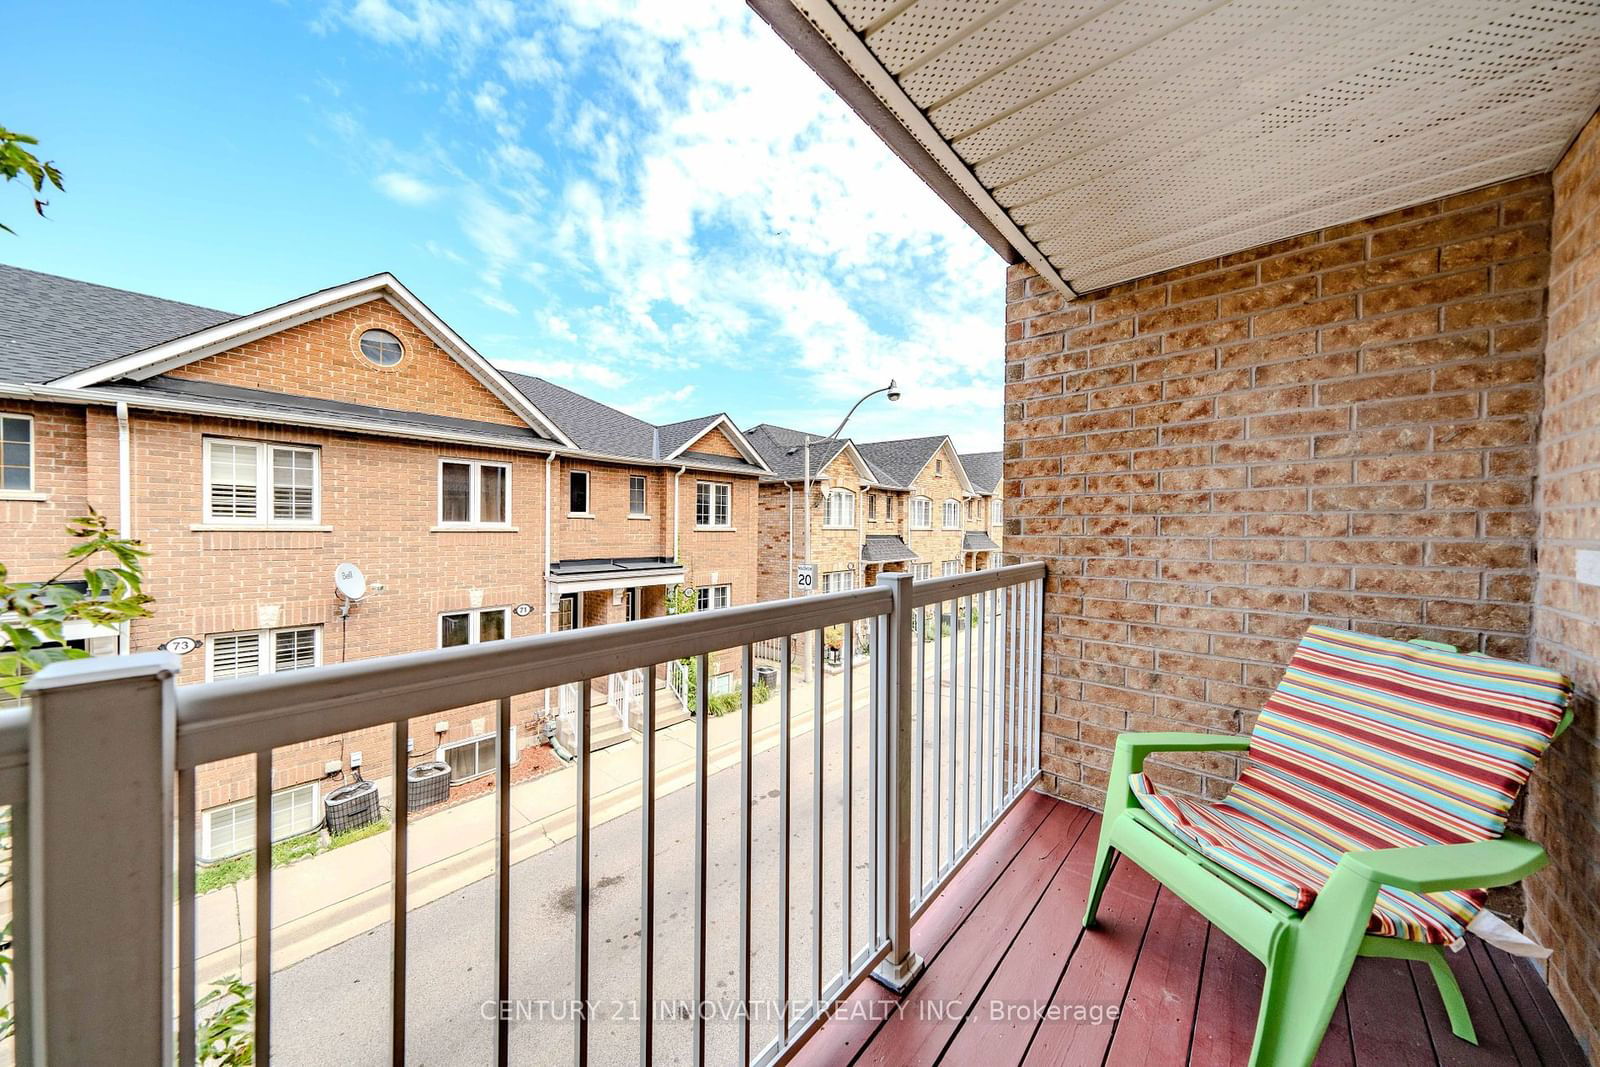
(263, 516)
(713, 524)
(848, 583)
(950, 567)
(477, 739)
(645, 514)
(588, 496)
(921, 572)
(919, 525)
(945, 513)
(206, 855)
(997, 512)
(474, 616)
(474, 496)
(850, 522)
(725, 587)
(269, 659)
(32, 492)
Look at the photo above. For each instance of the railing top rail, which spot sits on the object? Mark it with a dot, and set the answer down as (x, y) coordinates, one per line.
(934, 590)
(220, 720)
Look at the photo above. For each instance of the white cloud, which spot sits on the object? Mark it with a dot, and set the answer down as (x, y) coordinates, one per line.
(688, 199)
(405, 188)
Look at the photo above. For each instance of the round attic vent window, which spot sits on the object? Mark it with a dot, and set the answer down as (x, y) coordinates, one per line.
(381, 347)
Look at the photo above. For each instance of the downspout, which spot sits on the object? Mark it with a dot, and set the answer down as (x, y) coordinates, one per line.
(124, 502)
(549, 465)
(675, 524)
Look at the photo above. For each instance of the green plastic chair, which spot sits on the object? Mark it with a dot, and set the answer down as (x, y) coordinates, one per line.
(1308, 954)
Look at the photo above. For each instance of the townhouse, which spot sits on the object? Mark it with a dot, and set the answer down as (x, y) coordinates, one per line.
(253, 454)
(875, 507)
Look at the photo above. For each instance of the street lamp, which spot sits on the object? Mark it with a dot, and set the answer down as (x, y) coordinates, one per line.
(893, 390)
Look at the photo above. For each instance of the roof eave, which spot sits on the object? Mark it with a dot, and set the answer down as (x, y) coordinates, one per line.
(827, 44)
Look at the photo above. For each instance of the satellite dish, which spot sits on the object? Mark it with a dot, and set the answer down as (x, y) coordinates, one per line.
(349, 581)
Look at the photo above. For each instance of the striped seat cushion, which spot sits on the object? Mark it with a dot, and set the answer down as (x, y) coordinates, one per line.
(1372, 743)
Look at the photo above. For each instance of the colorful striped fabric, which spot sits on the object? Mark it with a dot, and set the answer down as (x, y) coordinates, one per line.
(1372, 743)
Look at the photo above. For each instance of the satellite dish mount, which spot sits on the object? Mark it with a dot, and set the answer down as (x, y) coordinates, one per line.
(350, 584)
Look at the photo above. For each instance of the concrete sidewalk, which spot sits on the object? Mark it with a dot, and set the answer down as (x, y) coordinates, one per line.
(329, 898)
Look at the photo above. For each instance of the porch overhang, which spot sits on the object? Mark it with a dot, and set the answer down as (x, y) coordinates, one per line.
(978, 541)
(587, 575)
(1103, 142)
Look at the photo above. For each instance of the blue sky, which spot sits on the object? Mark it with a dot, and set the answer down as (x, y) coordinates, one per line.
(655, 203)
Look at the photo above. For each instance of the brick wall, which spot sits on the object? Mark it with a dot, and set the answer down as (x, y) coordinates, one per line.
(1564, 797)
(938, 482)
(322, 358)
(1338, 427)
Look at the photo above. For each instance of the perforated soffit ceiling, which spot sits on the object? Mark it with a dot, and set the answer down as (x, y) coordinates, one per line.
(1104, 141)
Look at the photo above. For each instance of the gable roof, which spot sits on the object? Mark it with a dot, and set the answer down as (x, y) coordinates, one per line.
(52, 326)
(901, 461)
(783, 450)
(153, 360)
(674, 439)
(983, 470)
(600, 428)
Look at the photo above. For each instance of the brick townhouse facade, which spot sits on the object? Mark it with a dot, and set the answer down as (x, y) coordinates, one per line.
(875, 507)
(253, 454)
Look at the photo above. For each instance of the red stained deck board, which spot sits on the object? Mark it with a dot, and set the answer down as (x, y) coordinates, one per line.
(1386, 1023)
(1551, 1036)
(859, 1016)
(1097, 976)
(1158, 1016)
(1192, 994)
(919, 1033)
(994, 1029)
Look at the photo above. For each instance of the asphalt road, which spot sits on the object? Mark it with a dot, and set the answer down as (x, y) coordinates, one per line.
(336, 1004)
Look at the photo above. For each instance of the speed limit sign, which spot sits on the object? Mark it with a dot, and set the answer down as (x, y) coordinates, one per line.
(805, 577)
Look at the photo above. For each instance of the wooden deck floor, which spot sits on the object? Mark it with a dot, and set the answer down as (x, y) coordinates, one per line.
(1013, 979)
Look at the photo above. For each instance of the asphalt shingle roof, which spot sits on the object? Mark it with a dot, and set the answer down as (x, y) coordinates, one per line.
(52, 326)
(899, 462)
(773, 444)
(983, 469)
(356, 415)
(978, 541)
(885, 548)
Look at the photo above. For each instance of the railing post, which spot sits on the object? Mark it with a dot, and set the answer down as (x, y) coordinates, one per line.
(902, 966)
(101, 850)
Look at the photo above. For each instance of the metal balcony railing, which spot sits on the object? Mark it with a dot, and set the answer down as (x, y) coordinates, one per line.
(100, 774)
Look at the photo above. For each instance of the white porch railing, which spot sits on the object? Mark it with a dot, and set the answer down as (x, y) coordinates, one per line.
(104, 769)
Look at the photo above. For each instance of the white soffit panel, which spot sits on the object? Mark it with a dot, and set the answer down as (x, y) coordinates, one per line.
(1126, 137)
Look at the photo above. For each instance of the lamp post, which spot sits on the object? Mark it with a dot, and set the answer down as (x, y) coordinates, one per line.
(893, 389)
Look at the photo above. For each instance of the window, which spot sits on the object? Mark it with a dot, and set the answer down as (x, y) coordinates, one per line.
(381, 347)
(938, 466)
(888, 507)
(636, 501)
(578, 493)
(252, 652)
(713, 504)
(952, 514)
(231, 829)
(838, 582)
(972, 510)
(474, 494)
(237, 472)
(921, 572)
(567, 612)
(872, 507)
(949, 567)
(712, 597)
(840, 509)
(921, 513)
(471, 627)
(996, 512)
(16, 454)
(475, 757)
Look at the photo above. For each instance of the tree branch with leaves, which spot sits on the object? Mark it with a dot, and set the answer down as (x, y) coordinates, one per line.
(17, 160)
